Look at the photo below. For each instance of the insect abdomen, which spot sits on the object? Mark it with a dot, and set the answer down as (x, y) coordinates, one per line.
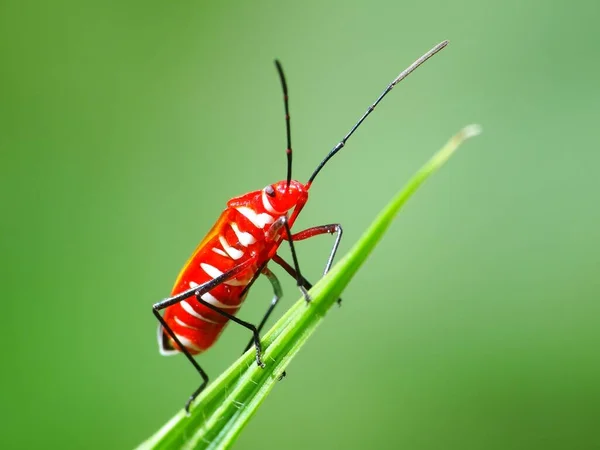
(232, 241)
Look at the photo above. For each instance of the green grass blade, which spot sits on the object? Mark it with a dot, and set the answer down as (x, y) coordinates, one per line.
(225, 407)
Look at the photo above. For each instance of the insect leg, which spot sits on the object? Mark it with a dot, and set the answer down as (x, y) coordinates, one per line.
(273, 232)
(277, 294)
(290, 270)
(299, 276)
(184, 350)
(249, 326)
(202, 289)
(322, 229)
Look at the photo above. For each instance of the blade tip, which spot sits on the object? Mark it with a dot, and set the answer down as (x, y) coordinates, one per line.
(471, 131)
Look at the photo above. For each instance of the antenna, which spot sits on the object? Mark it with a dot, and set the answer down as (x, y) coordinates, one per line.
(410, 69)
(288, 150)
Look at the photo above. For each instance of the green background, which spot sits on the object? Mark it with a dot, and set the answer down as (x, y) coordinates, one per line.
(126, 126)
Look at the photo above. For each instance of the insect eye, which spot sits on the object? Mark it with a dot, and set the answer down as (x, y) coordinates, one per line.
(270, 191)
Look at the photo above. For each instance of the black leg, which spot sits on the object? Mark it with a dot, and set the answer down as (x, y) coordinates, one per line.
(308, 233)
(187, 355)
(249, 326)
(299, 276)
(200, 290)
(275, 231)
(290, 270)
(277, 294)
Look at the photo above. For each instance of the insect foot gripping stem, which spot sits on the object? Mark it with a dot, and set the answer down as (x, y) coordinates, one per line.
(259, 362)
(307, 298)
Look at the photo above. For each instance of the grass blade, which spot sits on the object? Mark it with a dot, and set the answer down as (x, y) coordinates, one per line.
(225, 407)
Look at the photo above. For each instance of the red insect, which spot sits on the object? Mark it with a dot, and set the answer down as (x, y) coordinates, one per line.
(214, 282)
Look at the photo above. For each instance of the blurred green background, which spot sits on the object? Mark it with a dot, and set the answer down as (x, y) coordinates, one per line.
(126, 126)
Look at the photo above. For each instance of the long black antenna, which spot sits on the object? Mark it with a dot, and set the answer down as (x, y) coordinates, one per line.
(287, 121)
(399, 78)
